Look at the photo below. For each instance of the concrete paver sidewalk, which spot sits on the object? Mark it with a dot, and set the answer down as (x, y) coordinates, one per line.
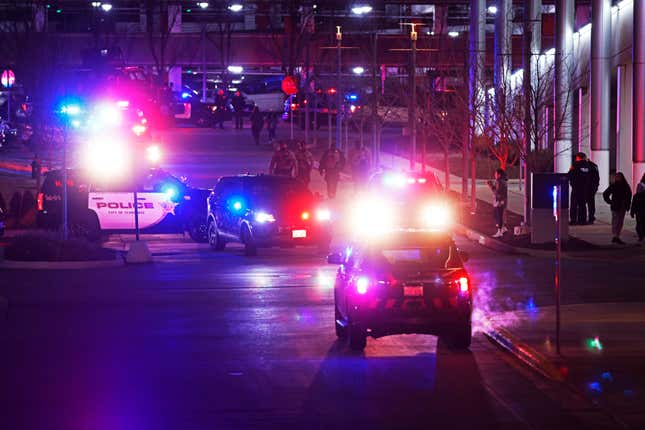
(602, 351)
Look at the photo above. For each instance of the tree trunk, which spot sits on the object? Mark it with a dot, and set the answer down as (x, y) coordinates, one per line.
(446, 167)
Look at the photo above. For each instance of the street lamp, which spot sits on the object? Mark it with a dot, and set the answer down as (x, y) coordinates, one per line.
(235, 7)
(96, 4)
(358, 70)
(203, 4)
(106, 7)
(492, 10)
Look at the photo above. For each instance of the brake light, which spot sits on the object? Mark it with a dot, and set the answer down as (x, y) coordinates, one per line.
(362, 285)
(40, 199)
(462, 284)
(323, 215)
(305, 216)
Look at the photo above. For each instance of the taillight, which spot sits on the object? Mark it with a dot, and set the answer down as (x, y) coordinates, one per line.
(462, 284)
(39, 200)
(305, 215)
(362, 285)
(323, 215)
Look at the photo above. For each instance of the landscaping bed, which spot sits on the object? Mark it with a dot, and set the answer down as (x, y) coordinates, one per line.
(50, 247)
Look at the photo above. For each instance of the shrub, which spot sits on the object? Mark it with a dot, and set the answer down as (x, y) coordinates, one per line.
(50, 247)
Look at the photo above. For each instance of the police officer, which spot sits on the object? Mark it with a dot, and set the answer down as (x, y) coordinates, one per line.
(331, 164)
(594, 184)
(257, 122)
(283, 162)
(361, 163)
(238, 107)
(220, 103)
(304, 163)
(580, 179)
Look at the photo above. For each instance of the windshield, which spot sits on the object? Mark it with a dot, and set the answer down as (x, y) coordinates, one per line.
(272, 189)
(415, 259)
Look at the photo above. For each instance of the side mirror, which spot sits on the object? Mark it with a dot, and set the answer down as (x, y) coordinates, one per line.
(464, 256)
(335, 258)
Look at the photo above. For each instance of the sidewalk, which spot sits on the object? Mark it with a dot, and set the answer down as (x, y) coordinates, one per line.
(602, 352)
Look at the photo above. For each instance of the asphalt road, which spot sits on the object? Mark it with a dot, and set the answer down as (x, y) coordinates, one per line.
(206, 340)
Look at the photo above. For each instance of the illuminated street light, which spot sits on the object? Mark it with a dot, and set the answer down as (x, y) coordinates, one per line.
(361, 9)
(358, 70)
(106, 7)
(235, 69)
(235, 7)
(203, 4)
(492, 10)
(96, 4)
(453, 33)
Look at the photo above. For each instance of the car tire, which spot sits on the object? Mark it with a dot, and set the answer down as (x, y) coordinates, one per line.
(197, 231)
(250, 249)
(341, 330)
(87, 228)
(460, 337)
(214, 239)
(357, 338)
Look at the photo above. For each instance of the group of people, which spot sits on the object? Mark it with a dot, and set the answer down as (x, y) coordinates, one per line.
(584, 179)
(300, 163)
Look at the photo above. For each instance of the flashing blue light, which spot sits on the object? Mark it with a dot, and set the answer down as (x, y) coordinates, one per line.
(352, 97)
(171, 192)
(595, 387)
(70, 109)
(237, 205)
(185, 95)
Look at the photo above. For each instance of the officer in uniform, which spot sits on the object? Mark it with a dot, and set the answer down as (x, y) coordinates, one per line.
(283, 162)
(580, 178)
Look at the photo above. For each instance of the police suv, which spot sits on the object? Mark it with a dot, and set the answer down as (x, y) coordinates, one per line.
(165, 205)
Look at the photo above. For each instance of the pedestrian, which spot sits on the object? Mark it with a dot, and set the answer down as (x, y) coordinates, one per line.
(638, 209)
(331, 164)
(220, 104)
(581, 179)
(360, 161)
(499, 188)
(272, 124)
(257, 121)
(238, 108)
(283, 162)
(618, 195)
(593, 189)
(304, 163)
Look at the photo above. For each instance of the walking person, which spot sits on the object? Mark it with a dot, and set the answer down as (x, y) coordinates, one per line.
(272, 124)
(361, 164)
(618, 195)
(499, 187)
(257, 121)
(238, 107)
(283, 162)
(331, 164)
(304, 163)
(580, 179)
(638, 209)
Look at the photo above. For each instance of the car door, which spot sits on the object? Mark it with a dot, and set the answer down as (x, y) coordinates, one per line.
(344, 276)
(227, 194)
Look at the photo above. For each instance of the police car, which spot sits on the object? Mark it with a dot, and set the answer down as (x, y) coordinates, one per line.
(264, 211)
(165, 205)
(413, 281)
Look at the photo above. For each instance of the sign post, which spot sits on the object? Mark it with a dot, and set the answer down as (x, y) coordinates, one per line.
(557, 205)
(290, 87)
(8, 78)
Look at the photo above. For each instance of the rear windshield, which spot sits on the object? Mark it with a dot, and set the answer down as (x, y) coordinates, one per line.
(438, 257)
(271, 188)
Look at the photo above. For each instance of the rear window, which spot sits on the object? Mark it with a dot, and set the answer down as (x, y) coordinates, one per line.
(274, 188)
(423, 258)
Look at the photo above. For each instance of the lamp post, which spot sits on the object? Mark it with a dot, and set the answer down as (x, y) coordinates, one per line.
(339, 40)
(413, 101)
(69, 111)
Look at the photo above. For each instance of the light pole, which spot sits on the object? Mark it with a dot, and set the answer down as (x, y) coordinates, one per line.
(339, 40)
(69, 111)
(413, 102)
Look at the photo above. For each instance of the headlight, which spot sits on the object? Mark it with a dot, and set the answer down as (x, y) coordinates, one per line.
(437, 216)
(153, 153)
(263, 217)
(138, 129)
(323, 215)
(106, 160)
(372, 217)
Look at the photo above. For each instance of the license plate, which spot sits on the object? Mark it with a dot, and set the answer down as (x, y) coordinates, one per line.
(296, 234)
(416, 291)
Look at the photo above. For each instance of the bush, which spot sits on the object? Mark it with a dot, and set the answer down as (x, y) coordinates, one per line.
(50, 247)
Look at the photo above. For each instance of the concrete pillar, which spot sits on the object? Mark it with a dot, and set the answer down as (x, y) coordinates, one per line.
(502, 64)
(601, 87)
(564, 12)
(40, 18)
(638, 94)
(440, 20)
(174, 26)
(624, 121)
(584, 145)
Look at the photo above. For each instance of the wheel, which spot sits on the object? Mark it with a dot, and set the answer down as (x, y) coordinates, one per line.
(88, 228)
(341, 330)
(460, 337)
(250, 249)
(357, 338)
(198, 231)
(214, 239)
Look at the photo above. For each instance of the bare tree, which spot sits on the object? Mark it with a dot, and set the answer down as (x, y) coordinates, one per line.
(162, 16)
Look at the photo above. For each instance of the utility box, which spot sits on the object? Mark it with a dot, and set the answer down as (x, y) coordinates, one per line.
(543, 207)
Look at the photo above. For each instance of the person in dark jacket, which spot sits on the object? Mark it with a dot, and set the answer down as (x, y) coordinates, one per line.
(593, 190)
(580, 178)
(257, 121)
(619, 196)
(499, 188)
(220, 103)
(238, 107)
(638, 209)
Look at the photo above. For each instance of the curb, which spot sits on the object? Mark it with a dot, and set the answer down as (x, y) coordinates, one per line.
(61, 265)
(523, 352)
(489, 242)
